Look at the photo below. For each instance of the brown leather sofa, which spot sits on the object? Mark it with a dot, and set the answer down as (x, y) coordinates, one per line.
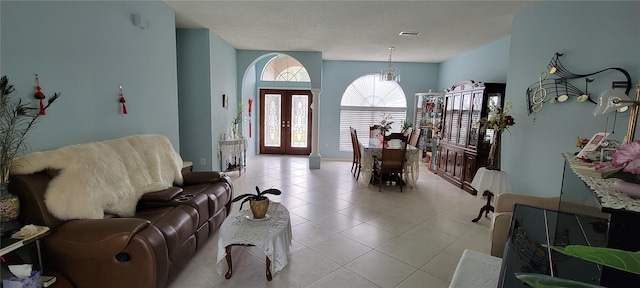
(146, 250)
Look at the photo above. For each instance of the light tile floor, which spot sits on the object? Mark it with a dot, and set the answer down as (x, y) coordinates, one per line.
(347, 234)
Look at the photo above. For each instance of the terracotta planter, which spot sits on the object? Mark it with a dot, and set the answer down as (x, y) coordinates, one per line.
(628, 188)
(259, 208)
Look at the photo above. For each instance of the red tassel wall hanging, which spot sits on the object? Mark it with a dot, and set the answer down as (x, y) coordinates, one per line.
(40, 96)
(122, 100)
(250, 108)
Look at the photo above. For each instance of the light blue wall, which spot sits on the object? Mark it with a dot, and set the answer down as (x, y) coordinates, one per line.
(223, 81)
(249, 91)
(485, 64)
(85, 50)
(207, 70)
(415, 77)
(593, 35)
(194, 96)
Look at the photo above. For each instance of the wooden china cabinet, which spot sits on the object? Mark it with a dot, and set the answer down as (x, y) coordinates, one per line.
(463, 147)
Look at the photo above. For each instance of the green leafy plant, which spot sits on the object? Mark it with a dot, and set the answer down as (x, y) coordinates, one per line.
(619, 259)
(256, 197)
(406, 124)
(239, 117)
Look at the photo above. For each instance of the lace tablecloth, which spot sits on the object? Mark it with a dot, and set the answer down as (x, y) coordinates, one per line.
(603, 189)
(273, 235)
(373, 147)
(497, 182)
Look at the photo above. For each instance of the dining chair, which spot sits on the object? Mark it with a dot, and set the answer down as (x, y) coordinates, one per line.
(392, 161)
(357, 154)
(415, 137)
(407, 132)
(354, 162)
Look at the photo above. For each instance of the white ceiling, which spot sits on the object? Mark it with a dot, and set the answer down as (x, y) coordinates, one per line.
(354, 30)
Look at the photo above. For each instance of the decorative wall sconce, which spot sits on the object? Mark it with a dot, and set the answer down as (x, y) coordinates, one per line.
(555, 90)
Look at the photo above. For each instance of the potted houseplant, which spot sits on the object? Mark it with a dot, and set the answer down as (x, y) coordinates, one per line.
(236, 121)
(16, 120)
(406, 124)
(258, 202)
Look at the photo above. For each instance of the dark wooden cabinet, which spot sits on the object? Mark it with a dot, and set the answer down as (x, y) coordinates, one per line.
(464, 147)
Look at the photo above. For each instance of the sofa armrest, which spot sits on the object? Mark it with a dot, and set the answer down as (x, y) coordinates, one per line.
(95, 238)
(201, 177)
(163, 196)
(499, 232)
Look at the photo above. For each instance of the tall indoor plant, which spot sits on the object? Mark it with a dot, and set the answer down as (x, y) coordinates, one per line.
(17, 118)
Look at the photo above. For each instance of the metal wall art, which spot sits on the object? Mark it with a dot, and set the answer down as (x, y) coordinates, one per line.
(557, 89)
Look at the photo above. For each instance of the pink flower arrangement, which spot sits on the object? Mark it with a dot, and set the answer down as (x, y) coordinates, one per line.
(625, 163)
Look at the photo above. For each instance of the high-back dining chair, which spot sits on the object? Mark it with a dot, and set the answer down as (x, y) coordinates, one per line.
(356, 167)
(415, 137)
(392, 160)
(407, 132)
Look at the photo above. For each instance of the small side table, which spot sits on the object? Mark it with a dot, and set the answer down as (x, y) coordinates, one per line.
(272, 235)
(490, 183)
(10, 244)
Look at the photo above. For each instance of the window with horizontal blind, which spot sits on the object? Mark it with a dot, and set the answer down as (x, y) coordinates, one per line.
(365, 102)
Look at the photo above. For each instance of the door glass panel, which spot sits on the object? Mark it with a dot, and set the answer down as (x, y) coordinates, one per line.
(299, 119)
(273, 118)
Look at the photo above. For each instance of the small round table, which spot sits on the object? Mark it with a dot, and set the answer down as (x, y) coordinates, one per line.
(272, 235)
(491, 183)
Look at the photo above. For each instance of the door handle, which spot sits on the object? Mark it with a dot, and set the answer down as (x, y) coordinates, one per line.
(288, 124)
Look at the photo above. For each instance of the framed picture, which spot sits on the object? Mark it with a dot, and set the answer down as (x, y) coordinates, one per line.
(593, 144)
(605, 154)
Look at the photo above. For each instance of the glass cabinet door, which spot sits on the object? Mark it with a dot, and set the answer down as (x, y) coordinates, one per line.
(476, 114)
(464, 119)
(455, 118)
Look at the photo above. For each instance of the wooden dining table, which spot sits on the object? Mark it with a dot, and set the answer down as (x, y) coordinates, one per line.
(371, 147)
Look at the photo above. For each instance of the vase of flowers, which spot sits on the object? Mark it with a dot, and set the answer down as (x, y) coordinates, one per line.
(625, 167)
(385, 124)
(16, 120)
(498, 121)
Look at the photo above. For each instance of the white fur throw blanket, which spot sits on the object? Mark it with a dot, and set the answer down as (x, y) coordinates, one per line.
(108, 176)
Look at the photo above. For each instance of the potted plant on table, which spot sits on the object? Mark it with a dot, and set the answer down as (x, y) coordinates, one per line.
(258, 202)
(16, 120)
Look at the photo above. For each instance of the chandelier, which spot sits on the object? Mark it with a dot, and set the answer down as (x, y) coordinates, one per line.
(390, 73)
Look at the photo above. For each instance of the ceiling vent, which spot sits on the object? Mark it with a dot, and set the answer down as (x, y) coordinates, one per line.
(409, 33)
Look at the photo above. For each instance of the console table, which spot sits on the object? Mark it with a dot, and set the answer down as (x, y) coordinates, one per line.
(583, 188)
(233, 155)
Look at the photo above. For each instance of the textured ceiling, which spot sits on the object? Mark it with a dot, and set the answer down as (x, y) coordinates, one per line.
(354, 30)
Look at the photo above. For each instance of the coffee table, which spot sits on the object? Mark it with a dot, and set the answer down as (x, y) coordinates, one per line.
(272, 235)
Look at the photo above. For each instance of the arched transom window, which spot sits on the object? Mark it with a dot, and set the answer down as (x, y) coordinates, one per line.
(364, 103)
(284, 68)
